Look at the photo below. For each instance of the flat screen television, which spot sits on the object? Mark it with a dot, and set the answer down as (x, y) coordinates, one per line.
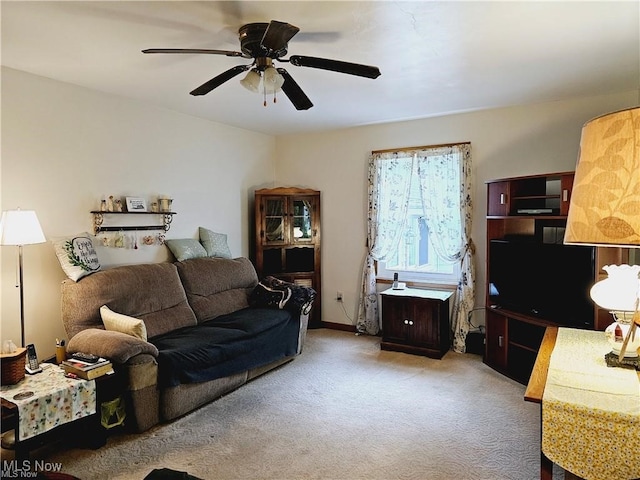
(544, 280)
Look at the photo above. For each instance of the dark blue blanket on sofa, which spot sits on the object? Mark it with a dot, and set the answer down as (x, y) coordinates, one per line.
(228, 344)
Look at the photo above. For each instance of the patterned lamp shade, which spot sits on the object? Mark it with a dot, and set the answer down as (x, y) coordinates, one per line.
(605, 201)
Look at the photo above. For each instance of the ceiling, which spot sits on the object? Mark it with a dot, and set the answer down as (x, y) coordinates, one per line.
(435, 57)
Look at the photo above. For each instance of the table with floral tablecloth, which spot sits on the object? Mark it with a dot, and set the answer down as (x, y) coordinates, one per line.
(56, 400)
(590, 412)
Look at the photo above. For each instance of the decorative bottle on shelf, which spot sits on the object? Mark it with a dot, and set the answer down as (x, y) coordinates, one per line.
(103, 205)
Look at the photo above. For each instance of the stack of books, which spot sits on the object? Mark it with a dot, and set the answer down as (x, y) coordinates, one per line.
(87, 370)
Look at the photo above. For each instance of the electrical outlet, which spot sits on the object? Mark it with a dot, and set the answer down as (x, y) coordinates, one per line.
(339, 296)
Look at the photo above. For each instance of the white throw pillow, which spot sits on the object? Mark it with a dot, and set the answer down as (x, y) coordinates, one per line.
(118, 322)
(77, 255)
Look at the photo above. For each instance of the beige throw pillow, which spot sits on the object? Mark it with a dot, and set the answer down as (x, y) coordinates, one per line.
(118, 322)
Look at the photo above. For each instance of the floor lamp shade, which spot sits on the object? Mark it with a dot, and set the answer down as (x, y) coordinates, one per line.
(605, 200)
(20, 227)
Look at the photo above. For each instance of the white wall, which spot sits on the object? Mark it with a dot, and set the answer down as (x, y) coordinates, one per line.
(505, 142)
(65, 147)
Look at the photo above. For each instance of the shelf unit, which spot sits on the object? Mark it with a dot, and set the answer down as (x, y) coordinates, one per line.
(287, 239)
(530, 205)
(99, 217)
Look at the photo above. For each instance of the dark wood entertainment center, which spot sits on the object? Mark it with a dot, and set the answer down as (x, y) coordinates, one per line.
(529, 205)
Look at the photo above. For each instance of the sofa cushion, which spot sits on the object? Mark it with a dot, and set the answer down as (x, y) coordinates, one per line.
(151, 292)
(232, 343)
(217, 286)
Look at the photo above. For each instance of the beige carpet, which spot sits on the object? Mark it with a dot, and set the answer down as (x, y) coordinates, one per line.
(342, 410)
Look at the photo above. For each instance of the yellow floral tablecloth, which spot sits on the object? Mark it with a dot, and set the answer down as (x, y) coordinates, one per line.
(590, 412)
(56, 400)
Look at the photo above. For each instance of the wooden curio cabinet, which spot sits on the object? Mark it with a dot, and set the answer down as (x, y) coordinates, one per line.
(287, 238)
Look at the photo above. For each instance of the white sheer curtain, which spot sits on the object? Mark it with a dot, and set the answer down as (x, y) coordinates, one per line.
(389, 186)
(445, 178)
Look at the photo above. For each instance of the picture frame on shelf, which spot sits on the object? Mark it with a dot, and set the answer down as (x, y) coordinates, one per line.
(136, 204)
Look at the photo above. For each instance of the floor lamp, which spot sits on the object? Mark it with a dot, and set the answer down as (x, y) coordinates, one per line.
(20, 227)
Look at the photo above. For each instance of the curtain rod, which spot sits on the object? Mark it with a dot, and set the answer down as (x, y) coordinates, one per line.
(408, 149)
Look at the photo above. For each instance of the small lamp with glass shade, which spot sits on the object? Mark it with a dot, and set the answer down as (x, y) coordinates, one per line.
(604, 211)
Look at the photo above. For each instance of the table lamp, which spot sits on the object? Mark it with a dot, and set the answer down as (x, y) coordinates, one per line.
(20, 227)
(604, 211)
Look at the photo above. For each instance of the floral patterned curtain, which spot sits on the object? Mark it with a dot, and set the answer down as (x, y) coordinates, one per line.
(448, 203)
(389, 186)
(445, 180)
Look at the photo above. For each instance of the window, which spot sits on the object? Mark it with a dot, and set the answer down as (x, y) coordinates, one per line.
(415, 259)
(413, 192)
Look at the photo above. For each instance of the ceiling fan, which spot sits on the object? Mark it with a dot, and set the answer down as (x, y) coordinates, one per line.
(264, 43)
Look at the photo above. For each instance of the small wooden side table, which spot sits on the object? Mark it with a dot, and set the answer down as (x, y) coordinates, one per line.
(416, 321)
(86, 431)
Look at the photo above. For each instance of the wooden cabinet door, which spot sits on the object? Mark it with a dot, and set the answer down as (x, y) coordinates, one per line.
(498, 199)
(423, 329)
(496, 340)
(273, 220)
(303, 220)
(394, 314)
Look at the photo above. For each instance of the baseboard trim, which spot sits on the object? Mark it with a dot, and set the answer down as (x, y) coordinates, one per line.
(339, 326)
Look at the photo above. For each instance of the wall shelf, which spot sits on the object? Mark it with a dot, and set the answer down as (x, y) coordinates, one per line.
(99, 217)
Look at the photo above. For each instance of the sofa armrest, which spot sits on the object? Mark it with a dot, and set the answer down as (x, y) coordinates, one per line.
(116, 346)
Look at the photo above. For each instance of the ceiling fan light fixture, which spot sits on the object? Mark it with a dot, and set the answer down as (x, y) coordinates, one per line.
(251, 81)
(272, 80)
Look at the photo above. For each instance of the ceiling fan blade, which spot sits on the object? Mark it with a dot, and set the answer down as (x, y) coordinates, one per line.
(228, 53)
(277, 35)
(293, 92)
(335, 66)
(219, 80)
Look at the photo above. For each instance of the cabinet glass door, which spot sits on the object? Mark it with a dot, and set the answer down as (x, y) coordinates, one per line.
(274, 220)
(302, 220)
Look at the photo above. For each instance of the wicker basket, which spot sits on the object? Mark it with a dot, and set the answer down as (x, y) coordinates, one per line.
(13, 366)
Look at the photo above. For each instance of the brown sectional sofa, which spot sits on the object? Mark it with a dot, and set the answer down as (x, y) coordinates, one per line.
(204, 338)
